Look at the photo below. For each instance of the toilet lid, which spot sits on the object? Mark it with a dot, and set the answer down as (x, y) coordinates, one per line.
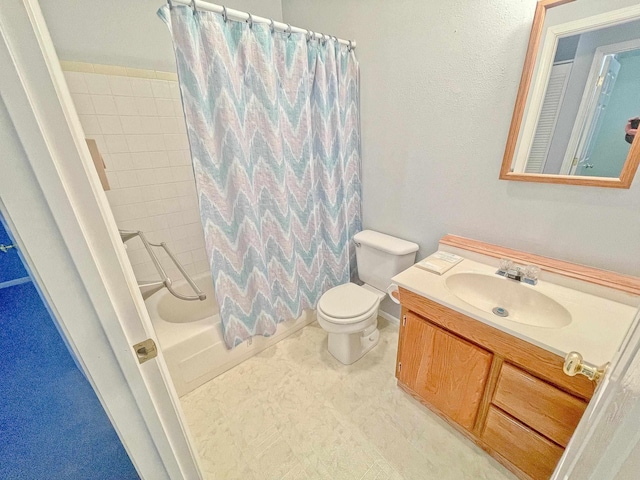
(347, 301)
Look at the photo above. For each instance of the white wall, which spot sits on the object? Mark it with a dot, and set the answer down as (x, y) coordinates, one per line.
(123, 32)
(439, 82)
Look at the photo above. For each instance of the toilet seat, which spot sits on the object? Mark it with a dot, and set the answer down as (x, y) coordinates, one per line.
(347, 304)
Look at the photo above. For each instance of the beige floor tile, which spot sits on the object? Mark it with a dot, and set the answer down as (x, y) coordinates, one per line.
(294, 412)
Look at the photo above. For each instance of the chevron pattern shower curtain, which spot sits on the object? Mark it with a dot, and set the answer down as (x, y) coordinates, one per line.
(273, 126)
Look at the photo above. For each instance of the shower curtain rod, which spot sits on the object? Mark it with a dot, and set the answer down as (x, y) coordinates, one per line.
(244, 16)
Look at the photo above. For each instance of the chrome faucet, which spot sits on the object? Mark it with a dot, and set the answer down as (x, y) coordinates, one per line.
(521, 273)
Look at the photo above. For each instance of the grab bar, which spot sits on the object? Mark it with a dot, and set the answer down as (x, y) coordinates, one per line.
(165, 281)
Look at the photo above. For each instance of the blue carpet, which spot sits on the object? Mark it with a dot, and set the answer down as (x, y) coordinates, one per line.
(52, 425)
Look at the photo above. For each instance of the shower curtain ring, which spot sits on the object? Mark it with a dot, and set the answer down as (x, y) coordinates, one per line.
(289, 30)
(170, 3)
(309, 35)
(224, 14)
(350, 47)
(272, 26)
(250, 20)
(324, 39)
(193, 6)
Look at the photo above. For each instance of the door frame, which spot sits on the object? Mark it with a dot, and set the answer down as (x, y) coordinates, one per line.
(585, 109)
(52, 199)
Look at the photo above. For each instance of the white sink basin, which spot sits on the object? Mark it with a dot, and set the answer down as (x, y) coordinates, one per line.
(508, 299)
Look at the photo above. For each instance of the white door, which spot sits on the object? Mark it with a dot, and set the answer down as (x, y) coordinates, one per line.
(51, 196)
(600, 100)
(606, 444)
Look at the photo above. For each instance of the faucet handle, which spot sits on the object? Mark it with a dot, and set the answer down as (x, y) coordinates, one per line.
(505, 264)
(532, 272)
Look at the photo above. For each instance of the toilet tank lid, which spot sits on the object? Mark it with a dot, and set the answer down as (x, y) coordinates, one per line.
(385, 243)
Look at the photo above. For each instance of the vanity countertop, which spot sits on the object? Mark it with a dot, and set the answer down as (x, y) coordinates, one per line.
(596, 331)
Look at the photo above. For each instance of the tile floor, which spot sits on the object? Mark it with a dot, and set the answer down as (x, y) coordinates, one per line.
(294, 412)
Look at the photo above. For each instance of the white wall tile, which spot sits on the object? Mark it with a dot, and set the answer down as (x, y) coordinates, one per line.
(169, 124)
(177, 108)
(90, 124)
(121, 161)
(175, 90)
(75, 82)
(165, 107)
(83, 103)
(141, 87)
(112, 177)
(140, 160)
(164, 175)
(104, 104)
(109, 124)
(120, 85)
(155, 207)
(160, 159)
(136, 143)
(169, 190)
(181, 174)
(201, 266)
(139, 127)
(155, 143)
(116, 143)
(150, 125)
(176, 141)
(146, 177)
(160, 89)
(127, 179)
(171, 205)
(126, 105)
(146, 106)
(131, 125)
(97, 84)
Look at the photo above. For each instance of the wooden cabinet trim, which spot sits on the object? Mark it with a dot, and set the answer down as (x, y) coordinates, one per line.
(539, 405)
(525, 355)
(492, 382)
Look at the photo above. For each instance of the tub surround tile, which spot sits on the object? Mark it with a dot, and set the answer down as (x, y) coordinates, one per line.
(293, 411)
(136, 118)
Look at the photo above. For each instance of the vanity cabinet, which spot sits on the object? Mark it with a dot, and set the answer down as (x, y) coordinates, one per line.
(507, 395)
(443, 369)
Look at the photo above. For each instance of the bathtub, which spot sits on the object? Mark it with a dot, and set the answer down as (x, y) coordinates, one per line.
(190, 335)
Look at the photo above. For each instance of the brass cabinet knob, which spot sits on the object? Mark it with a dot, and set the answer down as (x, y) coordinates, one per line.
(574, 365)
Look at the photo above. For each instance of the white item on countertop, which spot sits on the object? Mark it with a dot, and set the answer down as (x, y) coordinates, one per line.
(439, 262)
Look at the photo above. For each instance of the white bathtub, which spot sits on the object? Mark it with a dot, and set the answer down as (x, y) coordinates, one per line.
(191, 337)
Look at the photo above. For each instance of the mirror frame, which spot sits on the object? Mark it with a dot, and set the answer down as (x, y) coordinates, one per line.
(633, 159)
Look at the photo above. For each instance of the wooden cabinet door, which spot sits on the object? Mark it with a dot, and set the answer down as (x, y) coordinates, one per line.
(447, 372)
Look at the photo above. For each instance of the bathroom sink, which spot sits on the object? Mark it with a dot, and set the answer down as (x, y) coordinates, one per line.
(508, 299)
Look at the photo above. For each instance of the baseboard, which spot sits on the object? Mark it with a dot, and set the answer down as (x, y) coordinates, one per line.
(389, 318)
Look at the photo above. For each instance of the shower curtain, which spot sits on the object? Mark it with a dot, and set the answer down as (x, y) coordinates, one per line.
(273, 126)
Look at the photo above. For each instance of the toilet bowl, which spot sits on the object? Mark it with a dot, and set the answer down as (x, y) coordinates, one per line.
(349, 312)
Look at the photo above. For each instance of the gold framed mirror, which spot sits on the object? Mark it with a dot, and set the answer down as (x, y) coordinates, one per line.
(577, 111)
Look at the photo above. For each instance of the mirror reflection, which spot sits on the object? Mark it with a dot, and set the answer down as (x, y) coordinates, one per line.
(589, 116)
(591, 108)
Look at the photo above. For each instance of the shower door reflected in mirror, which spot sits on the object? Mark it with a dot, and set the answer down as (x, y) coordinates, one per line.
(591, 105)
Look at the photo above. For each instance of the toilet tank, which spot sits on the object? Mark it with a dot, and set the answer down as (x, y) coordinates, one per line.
(380, 257)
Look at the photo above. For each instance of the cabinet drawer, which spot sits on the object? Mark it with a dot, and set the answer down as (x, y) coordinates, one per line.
(541, 406)
(530, 452)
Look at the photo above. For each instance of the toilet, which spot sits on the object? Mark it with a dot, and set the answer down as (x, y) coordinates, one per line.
(349, 312)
